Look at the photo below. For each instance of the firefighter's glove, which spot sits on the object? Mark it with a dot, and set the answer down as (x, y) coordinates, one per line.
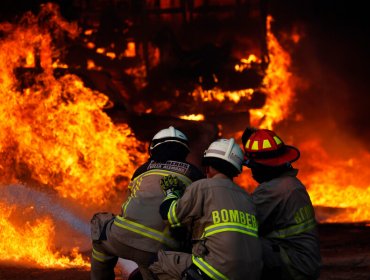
(172, 187)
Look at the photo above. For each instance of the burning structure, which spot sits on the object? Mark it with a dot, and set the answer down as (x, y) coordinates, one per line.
(83, 91)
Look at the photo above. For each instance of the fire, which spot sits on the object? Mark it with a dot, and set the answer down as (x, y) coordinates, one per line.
(131, 50)
(217, 95)
(33, 243)
(277, 85)
(338, 187)
(193, 117)
(341, 185)
(55, 135)
(246, 63)
(56, 131)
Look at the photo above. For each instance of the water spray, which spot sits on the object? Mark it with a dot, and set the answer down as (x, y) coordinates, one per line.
(43, 204)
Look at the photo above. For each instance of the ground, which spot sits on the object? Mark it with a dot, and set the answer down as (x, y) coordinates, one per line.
(345, 250)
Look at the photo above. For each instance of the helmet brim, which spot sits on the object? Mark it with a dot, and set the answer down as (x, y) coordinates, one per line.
(289, 155)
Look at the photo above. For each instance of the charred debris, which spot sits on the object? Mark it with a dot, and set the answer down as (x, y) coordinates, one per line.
(150, 57)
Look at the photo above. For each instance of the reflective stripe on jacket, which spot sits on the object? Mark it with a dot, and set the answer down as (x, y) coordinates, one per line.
(287, 218)
(221, 217)
(140, 224)
(224, 227)
(101, 257)
(148, 232)
(208, 269)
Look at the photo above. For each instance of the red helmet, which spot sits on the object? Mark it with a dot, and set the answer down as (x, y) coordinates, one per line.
(266, 148)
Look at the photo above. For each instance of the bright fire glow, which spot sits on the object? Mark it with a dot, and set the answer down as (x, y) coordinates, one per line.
(339, 188)
(277, 85)
(55, 134)
(246, 63)
(218, 95)
(33, 243)
(131, 50)
(193, 117)
(341, 184)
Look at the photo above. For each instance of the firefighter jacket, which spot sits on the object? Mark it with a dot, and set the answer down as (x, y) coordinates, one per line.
(140, 224)
(222, 219)
(287, 218)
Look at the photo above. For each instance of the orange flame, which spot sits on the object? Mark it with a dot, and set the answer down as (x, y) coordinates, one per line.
(32, 243)
(339, 188)
(277, 85)
(217, 95)
(54, 133)
(340, 184)
(193, 117)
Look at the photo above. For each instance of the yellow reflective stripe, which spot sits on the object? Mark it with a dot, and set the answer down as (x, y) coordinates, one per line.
(293, 230)
(171, 215)
(224, 227)
(99, 256)
(145, 231)
(208, 269)
(182, 177)
(124, 205)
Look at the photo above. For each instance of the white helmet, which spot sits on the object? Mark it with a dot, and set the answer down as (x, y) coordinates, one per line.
(167, 135)
(228, 150)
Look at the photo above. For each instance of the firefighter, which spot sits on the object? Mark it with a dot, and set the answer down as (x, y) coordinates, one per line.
(287, 226)
(221, 217)
(139, 231)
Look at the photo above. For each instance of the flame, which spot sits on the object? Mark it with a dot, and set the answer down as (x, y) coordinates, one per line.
(100, 50)
(88, 32)
(91, 65)
(340, 184)
(193, 117)
(30, 60)
(338, 187)
(33, 243)
(90, 45)
(218, 95)
(111, 55)
(246, 63)
(277, 85)
(55, 134)
(130, 50)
